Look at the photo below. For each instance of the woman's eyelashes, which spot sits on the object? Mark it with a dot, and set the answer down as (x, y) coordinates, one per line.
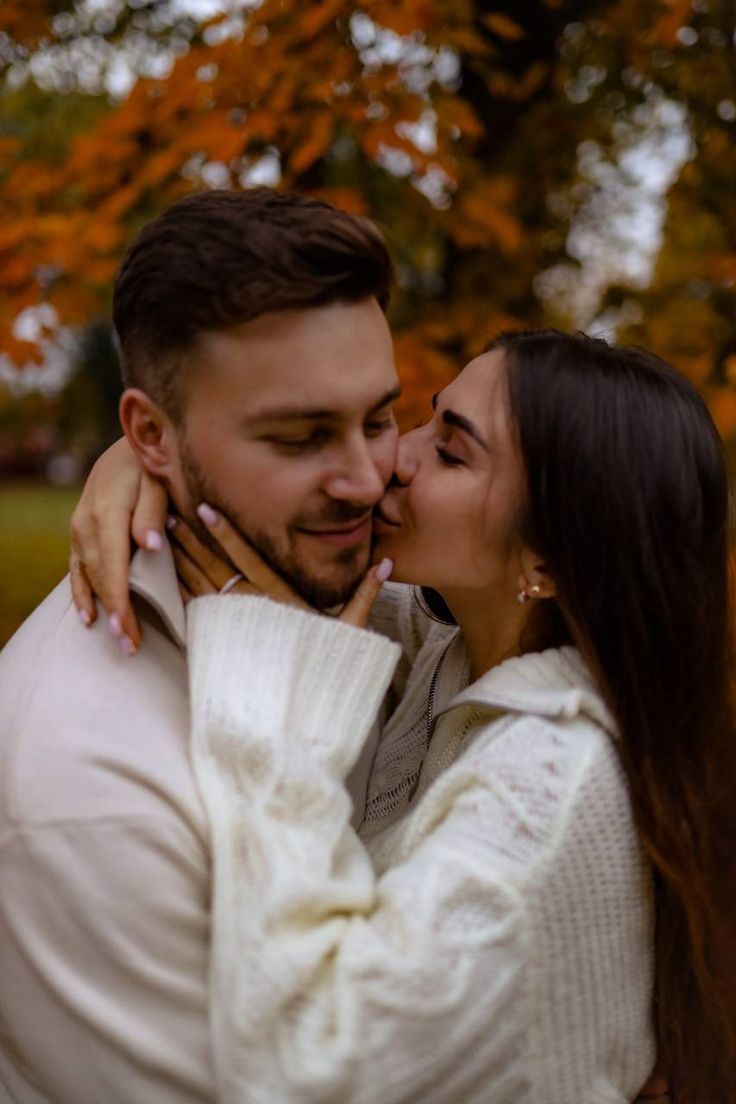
(448, 458)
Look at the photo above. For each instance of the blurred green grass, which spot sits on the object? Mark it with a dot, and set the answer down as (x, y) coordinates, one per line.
(34, 547)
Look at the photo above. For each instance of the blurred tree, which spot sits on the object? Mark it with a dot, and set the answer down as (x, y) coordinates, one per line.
(442, 121)
(642, 66)
(88, 406)
(689, 311)
(457, 125)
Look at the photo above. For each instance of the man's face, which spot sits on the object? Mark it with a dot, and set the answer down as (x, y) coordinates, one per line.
(289, 431)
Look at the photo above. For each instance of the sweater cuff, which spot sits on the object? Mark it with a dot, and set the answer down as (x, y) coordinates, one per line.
(262, 666)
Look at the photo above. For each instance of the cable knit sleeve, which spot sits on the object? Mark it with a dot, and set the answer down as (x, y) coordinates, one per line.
(331, 984)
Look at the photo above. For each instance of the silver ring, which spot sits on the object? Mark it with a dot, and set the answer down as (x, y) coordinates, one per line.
(233, 581)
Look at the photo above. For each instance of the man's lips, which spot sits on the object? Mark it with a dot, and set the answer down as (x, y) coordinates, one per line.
(344, 536)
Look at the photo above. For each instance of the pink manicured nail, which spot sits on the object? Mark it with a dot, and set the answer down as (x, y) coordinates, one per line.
(384, 569)
(207, 514)
(127, 646)
(84, 617)
(154, 541)
(114, 625)
(170, 522)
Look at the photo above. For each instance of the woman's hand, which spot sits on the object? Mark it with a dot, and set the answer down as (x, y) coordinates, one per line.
(655, 1091)
(119, 500)
(242, 571)
(202, 571)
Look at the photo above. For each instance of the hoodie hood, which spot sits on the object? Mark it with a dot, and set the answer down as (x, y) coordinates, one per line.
(555, 684)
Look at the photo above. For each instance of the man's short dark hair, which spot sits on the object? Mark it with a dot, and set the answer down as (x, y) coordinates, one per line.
(219, 258)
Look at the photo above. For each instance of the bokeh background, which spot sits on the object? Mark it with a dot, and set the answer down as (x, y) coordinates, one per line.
(531, 162)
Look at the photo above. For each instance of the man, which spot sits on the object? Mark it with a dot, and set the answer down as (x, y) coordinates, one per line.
(259, 377)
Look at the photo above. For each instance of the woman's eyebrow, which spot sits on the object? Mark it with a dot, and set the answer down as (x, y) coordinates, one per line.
(459, 421)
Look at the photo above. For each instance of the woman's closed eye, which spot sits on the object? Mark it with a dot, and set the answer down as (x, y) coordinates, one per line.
(448, 458)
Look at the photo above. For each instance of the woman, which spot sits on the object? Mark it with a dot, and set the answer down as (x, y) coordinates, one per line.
(556, 776)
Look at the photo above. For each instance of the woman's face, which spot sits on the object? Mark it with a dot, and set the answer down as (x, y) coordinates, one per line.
(449, 519)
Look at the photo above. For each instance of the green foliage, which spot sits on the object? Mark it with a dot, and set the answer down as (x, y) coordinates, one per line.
(34, 547)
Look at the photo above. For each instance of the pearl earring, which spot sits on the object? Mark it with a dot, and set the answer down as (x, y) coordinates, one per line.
(534, 591)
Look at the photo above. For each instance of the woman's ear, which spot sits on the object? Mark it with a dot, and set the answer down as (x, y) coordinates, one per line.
(534, 579)
(149, 431)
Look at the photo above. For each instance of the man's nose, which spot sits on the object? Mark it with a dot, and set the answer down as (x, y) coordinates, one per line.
(407, 456)
(356, 476)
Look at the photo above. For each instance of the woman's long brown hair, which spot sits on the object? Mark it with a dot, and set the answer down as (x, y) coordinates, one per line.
(628, 508)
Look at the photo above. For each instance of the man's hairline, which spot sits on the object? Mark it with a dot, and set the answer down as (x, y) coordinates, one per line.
(178, 413)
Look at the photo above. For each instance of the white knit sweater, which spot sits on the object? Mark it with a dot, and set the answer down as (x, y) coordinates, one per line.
(488, 942)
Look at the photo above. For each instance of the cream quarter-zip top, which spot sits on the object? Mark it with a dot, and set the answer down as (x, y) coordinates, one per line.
(487, 942)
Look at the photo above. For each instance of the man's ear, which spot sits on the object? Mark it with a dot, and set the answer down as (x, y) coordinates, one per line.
(150, 432)
(534, 578)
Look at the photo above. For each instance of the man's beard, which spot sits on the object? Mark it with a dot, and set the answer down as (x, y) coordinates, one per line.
(321, 594)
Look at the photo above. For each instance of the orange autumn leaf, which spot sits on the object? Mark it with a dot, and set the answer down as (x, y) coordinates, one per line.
(402, 16)
(346, 199)
(103, 236)
(160, 166)
(453, 112)
(316, 15)
(424, 369)
(484, 216)
(467, 40)
(313, 146)
(675, 14)
(532, 80)
(503, 26)
(24, 21)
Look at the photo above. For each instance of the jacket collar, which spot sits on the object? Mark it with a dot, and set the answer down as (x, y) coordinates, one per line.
(153, 578)
(554, 683)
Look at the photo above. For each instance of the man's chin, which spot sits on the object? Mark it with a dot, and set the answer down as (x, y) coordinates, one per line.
(327, 585)
(324, 594)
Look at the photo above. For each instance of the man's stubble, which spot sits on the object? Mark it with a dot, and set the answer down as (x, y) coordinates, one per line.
(316, 592)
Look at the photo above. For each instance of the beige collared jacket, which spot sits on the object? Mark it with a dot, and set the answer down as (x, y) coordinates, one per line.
(105, 861)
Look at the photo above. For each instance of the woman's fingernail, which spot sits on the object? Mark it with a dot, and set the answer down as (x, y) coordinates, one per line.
(127, 646)
(207, 514)
(154, 541)
(84, 616)
(384, 569)
(170, 522)
(114, 625)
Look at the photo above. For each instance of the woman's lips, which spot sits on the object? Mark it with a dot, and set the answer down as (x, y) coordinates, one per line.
(343, 537)
(381, 520)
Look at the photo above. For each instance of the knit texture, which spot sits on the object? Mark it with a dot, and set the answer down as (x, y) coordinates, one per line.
(488, 941)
